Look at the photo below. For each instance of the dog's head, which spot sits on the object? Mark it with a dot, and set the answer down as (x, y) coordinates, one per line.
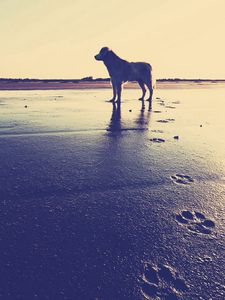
(102, 54)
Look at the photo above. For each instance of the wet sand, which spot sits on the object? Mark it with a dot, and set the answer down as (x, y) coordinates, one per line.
(107, 204)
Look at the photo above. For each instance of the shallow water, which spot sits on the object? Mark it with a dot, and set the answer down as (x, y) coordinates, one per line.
(98, 202)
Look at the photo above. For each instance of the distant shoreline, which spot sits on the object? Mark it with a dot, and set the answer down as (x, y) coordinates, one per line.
(102, 83)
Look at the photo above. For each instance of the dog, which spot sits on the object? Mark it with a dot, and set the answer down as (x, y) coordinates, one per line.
(121, 71)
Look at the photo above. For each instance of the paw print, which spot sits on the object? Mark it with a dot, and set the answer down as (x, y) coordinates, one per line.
(170, 106)
(195, 222)
(157, 140)
(182, 179)
(162, 281)
(166, 120)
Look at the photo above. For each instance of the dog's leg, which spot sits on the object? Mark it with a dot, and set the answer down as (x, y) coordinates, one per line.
(141, 83)
(149, 106)
(114, 92)
(149, 85)
(142, 105)
(119, 90)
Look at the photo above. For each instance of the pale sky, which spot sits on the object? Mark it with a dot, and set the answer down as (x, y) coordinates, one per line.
(59, 38)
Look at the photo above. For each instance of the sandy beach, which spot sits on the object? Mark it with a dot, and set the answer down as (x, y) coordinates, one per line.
(99, 203)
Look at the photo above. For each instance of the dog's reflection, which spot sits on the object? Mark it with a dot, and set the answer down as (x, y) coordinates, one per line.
(143, 105)
(115, 121)
(116, 124)
(144, 119)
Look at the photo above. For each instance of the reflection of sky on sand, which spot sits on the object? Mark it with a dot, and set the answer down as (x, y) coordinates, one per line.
(196, 117)
(199, 113)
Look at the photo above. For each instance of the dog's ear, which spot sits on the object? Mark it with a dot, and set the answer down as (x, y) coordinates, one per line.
(103, 52)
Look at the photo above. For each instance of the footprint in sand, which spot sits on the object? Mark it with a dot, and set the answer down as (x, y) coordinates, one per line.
(195, 221)
(182, 179)
(170, 106)
(161, 131)
(165, 120)
(162, 281)
(157, 140)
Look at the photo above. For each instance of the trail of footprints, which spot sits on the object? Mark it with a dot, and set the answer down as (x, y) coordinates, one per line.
(162, 281)
(195, 222)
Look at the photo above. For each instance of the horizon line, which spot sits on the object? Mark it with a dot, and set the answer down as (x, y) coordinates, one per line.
(90, 78)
